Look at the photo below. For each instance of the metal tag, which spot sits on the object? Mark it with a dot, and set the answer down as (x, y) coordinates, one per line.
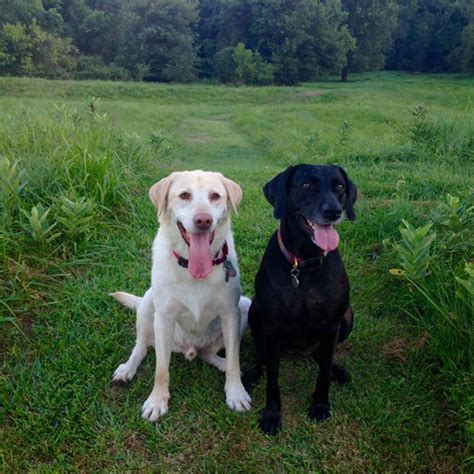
(229, 269)
(294, 277)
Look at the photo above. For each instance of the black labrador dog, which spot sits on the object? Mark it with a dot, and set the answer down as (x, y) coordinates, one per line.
(301, 298)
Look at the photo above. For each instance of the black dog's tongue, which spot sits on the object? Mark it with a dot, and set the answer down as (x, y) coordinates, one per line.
(325, 237)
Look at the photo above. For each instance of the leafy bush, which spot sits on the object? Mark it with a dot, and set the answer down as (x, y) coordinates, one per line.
(93, 67)
(242, 66)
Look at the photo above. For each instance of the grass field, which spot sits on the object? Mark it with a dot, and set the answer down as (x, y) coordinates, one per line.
(84, 156)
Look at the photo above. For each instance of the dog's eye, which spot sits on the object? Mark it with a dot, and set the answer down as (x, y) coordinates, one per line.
(339, 187)
(214, 196)
(185, 196)
(306, 185)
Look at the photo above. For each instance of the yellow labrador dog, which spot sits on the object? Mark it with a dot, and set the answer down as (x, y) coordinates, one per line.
(194, 304)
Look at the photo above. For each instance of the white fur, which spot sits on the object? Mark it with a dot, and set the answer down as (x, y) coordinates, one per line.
(179, 313)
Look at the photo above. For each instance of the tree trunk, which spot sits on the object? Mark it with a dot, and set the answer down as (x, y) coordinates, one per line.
(344, 73)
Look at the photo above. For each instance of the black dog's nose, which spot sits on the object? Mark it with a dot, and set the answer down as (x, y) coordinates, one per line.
(331, 213)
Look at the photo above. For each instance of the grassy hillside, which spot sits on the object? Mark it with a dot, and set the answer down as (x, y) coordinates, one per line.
(77, 160)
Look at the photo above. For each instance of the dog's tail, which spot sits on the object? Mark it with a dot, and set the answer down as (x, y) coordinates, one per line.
(128, 300)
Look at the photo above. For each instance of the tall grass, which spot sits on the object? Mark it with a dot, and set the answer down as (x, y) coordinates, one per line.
(63, 178)
(438, 139)
(436, 268)
(437, 272)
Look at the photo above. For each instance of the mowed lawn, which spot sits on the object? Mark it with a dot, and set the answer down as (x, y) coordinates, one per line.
(60, 409)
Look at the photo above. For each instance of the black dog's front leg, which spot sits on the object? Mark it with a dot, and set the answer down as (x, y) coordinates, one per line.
(270, 421)
(320, 408)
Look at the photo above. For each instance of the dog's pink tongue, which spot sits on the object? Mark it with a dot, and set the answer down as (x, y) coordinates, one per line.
(326, 237)
(200, 258)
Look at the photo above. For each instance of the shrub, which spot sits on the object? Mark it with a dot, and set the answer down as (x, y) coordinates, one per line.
(93, 67)
(251, 68)
(242, 66)
(263, 72)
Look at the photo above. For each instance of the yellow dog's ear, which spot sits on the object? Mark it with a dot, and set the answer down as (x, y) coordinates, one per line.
(159, 193)
(234, 192)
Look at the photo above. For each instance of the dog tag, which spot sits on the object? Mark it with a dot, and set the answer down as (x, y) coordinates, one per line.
(229, 270)
(295, 283)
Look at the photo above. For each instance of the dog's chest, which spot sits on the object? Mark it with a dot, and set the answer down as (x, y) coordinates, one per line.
(315, 297)
(306, 298)
(194, 318)
(307, 310)
(197, 333)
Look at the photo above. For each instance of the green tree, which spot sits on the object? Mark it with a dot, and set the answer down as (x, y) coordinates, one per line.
(371, 23)
(329, 42)
(158, 34)
(462, 56)
(235, 19)
(285, 41)
(24, 11)
(244, 65)
(94, 25)
(430, 35)
(302, 39)
(29, 50)
(467, 45)
(224, 67)
(206, 31)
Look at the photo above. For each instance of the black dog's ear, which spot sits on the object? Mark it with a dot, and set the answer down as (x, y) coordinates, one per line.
(276, 192)
(351, 194)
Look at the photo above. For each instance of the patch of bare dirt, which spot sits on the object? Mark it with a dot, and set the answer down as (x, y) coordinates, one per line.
(398, 350)
(200, 139)
(315, 93)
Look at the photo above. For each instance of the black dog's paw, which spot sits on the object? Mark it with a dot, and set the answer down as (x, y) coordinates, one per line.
(319, 411)
(251, 377)
(270, 422)
(340, 375)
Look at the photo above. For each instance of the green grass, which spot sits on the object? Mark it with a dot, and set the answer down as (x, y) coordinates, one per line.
(59, 408)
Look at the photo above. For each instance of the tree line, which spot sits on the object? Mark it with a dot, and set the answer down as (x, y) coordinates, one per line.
(233, 41)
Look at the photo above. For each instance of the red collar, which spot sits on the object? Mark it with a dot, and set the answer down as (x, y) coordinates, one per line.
(292, 258)
(217, 260)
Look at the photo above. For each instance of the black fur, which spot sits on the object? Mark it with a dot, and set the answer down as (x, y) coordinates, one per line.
(314, 317)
